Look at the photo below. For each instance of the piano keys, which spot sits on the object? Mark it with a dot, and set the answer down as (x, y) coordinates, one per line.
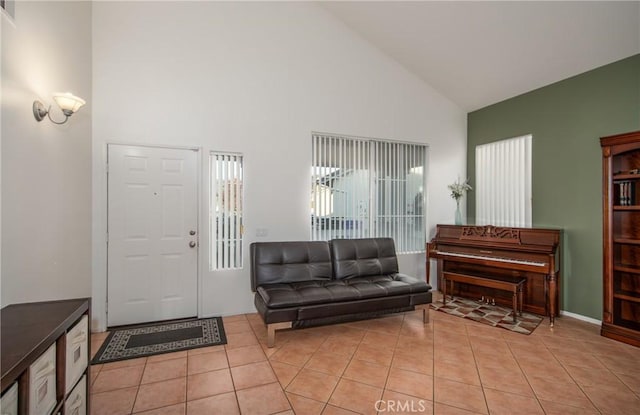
(532, 253)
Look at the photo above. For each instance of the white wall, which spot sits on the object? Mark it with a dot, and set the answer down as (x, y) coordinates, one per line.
(255, 78)
(4, 20)
(46, 168)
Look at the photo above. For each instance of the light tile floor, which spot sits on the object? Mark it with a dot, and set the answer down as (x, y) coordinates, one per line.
(450, 366)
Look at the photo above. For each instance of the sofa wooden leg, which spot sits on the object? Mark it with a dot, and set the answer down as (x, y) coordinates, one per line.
(425, 312)
(271, 331)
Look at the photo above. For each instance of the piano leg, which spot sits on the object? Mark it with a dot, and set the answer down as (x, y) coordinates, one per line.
(552, 297)
(444, 290)
(515, 307)
(520, 299)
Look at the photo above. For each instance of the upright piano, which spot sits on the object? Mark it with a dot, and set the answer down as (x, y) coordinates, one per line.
(530, 253)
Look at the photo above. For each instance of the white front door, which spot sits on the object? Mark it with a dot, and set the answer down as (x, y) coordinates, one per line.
(152, 241)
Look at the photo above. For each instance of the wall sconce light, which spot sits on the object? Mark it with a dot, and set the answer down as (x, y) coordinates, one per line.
(67, 102)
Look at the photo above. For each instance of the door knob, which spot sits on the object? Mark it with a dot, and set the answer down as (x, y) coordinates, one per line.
(192, 244)
(192, 233)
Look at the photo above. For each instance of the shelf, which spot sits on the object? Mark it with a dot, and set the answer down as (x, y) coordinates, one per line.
(627, 269)
(626, 177)
(626, 241)
(627, 297)
(632, 207)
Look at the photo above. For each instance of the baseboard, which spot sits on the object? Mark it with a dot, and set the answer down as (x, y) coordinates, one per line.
(580, 317)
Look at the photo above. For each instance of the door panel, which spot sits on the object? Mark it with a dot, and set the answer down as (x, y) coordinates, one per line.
(152, 206)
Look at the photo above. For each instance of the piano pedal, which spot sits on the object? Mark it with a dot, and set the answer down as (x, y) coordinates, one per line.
(493, 301)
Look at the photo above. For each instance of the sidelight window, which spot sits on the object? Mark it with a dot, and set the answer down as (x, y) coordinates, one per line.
(225, 210)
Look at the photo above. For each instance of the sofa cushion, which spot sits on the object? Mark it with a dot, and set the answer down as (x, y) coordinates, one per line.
(363, 257)
(284, 262)
(303, 293)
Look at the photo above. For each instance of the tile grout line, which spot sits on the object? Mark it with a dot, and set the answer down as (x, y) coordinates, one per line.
(535, 394)
(526, 377)
(351, 358)
(571, 377)
(226, 355)
(186, 385)
(393, 355)
(272, 371)
(637, 394)
(340, 378)
(138, 387)
(475, 364)
(447, 379)
(587, 394)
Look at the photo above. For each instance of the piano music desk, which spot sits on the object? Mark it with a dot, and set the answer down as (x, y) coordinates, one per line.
(495, 281)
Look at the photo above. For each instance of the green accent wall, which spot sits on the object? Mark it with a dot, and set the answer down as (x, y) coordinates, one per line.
(566, 120)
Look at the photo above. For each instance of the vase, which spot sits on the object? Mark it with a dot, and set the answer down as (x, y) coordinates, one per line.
(458, 214)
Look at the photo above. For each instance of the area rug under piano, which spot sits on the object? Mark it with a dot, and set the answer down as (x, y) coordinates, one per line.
(492, 315)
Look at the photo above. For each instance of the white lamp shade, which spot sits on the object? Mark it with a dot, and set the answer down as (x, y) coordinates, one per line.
(68, 102)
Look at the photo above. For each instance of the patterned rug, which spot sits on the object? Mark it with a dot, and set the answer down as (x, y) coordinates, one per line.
(492, 315)
(141, 341)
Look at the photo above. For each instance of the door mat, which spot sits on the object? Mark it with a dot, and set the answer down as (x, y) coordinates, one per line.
(141, 341)
(492, 315)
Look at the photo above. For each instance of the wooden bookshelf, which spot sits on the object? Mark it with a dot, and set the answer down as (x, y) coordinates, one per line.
(621, 237)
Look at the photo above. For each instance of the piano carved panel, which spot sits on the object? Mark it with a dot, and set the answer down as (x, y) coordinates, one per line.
(489, 233)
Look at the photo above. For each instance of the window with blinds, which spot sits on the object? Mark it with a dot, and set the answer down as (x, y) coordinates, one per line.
(225, 210)
(368, 188)
(503, 182)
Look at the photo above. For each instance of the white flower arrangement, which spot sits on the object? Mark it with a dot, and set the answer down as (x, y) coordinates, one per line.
(459, 189)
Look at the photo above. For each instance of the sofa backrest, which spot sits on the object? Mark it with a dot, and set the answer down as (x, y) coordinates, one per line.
(283, 262)
(363, 257)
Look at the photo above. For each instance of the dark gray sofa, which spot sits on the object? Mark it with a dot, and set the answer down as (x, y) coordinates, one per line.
(301, 284)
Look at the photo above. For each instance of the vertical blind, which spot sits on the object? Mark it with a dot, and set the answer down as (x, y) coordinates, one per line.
(503, 182)
(368, 188)
(226, 210)
(340, 188)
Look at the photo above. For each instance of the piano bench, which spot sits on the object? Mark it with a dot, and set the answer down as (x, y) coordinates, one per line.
(513, 285)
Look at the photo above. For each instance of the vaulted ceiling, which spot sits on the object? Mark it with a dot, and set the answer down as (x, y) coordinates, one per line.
(478, 53)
